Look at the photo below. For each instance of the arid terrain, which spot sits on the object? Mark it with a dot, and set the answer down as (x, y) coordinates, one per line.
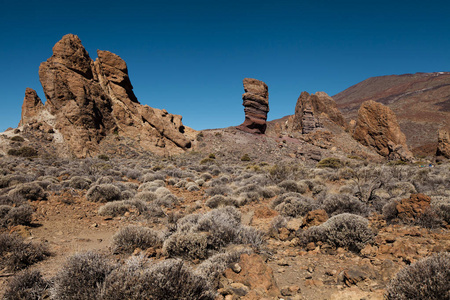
(223, 207)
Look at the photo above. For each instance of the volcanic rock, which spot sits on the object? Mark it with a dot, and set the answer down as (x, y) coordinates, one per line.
(310, 107)
(410, 208)
(377, 127)
(31, 108)
(88, 102)
(256, 106)
(443, 147)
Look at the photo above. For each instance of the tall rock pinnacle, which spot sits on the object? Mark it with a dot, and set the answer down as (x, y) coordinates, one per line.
(256, 106)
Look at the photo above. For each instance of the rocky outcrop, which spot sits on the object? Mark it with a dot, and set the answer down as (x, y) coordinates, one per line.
(89, 101)
(31, 108)
(410, 208)
(256, 106)
(310, 108)
(443, 147)
(377, 127)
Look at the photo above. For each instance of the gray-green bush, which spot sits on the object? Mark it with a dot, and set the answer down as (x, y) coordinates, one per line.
(426, 279)
(344, 230)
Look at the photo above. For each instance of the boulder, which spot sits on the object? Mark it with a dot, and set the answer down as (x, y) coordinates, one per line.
(89, 103)
(377, 128)
(309, 109)
(410, 208)
(443, 147)
(256, 106)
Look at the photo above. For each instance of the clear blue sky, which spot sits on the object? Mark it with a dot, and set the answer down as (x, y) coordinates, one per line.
(190, 57)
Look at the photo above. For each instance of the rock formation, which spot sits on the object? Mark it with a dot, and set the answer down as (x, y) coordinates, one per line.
(31, 108)
(443, 147)
(377, 127)
(309, 108)
(256, 106)
(88, 101)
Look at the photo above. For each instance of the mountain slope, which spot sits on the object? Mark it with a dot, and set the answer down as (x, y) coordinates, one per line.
(421, 102)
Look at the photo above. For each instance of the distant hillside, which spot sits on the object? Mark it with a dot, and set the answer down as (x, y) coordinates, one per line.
(421, 102)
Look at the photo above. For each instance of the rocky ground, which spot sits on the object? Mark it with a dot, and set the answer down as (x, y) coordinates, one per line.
(278, 264)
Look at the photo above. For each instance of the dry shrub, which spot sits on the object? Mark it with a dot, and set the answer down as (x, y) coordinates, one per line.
(191, 245)
(426, 279)
(15, 254)
(344, 230)
(79, 182)
(28, 191)
(11, 216)
(103, 193)
(198, 236)
(27, 285)
(170, 279)
(295, 206)
(338, 204)
(131, 237)
(81, 277)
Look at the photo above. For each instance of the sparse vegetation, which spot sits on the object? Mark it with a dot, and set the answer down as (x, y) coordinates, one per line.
(344, 230)
(23, 152)
(15, 254)
(330, 162)
(27, 285)
(131, 237)
(197, 220)
(17, 138)
(425, 279)
(103, 193)
(81, 277)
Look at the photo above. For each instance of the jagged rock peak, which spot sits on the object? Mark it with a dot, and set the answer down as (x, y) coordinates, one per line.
(92, 105)
(115, 71)
(377, 127)
(31, 107)
(256, 106)
(70, 53)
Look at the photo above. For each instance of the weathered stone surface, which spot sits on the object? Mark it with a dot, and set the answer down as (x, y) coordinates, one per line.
(256, 275)
(377, 127)
(443, 147)
(88, 102)
(314, 218)
(309, 108)
(31, 108)
(256, 106)
(410, 208)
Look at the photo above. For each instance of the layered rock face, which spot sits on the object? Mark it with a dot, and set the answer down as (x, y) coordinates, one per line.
(88, 101)
(443, 147)
(377, 127)
(310, 107)
(256, 106)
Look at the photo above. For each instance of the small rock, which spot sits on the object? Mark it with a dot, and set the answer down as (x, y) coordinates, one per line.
(286, 292)
(236, 268)
(310, 246)
(294, 224)
(283, 234)
(283, 262)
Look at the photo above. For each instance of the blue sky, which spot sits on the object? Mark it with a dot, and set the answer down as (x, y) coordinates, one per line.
(190, 57)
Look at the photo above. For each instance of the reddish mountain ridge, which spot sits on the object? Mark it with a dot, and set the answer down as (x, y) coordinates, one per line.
(421, 102)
